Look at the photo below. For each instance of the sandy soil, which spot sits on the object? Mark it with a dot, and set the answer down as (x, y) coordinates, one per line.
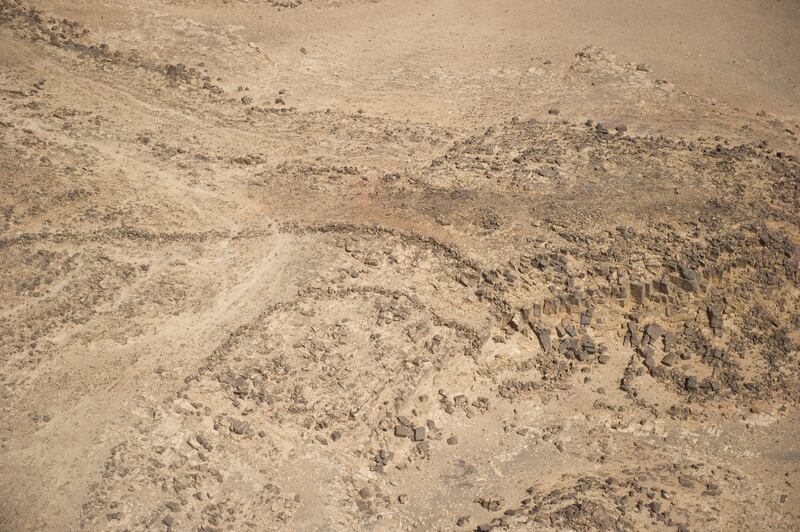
(399, 265)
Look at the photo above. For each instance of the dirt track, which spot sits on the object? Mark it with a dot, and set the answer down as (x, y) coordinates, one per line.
(441, 265)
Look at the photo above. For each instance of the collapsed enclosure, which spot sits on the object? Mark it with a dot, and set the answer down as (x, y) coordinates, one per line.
(357, 265)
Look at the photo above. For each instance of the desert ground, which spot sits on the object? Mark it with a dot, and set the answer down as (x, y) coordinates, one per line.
(399, 265)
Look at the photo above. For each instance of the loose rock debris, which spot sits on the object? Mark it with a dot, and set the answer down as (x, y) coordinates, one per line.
(284, 317)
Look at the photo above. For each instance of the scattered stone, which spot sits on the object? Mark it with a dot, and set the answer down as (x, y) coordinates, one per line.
(637, 292)
(715, 320)
(653, 333)
(363, 505)
(544, 339)
(669, 340)
(492, 504)
(632, 337)
(405, 421)
(238, 426)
